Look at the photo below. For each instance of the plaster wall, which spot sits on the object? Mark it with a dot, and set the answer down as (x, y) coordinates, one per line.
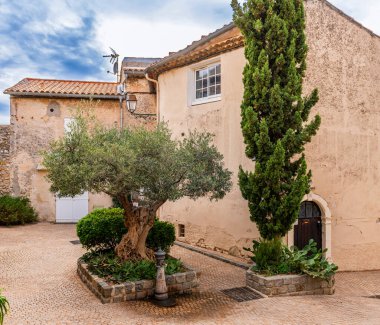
(34, 126)
(344, 64)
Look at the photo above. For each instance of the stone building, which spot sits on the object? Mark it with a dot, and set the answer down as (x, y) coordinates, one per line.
(42, 110)
(343, 63)
(344, 206)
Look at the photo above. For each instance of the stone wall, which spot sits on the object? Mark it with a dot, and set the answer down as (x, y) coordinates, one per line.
(289, 285)
(5, 132)
(179, 283)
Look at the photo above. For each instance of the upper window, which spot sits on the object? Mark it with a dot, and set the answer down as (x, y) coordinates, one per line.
(208, 82)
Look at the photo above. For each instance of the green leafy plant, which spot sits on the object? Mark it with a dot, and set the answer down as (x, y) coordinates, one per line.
(267, 255)
(16, 211)
(107, 265)
(272, 257)
(4, 307)
(310, 260)
(162, 235)
(274, 112)
(103, 229)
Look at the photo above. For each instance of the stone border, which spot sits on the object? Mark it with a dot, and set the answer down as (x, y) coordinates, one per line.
(179, 283)
(289, 284)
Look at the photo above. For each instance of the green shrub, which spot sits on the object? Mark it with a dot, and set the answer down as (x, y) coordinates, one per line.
(267, 255)
(272, 257)
(107, 265)
(161, 235)
(4, 307)
(101, 229)
(16, 211)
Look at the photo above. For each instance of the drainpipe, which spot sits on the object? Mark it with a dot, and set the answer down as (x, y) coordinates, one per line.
(159, 212)
(157, 95)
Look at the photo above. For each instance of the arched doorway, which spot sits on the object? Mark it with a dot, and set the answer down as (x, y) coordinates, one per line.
(326, 223)
(309, 225)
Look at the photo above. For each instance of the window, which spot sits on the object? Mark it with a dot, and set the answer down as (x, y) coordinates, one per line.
(208, 82)
(181, 230)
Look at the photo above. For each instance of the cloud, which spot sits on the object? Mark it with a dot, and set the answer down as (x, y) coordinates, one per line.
(65, 39)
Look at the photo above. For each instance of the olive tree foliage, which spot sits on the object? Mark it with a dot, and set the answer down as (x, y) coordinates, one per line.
(136, 165)
(275, 114)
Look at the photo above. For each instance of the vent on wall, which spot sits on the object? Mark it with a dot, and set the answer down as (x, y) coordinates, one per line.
(181, 230)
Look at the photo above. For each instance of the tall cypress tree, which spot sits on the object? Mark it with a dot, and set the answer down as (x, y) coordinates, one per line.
(274, 112)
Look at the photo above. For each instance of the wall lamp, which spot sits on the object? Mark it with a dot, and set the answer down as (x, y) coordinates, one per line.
(130, 99)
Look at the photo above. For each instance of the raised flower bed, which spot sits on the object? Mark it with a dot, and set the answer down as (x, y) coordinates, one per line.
(178, 283)
(289, 284)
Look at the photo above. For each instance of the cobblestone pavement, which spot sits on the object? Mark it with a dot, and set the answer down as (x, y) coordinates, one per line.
(38, 274)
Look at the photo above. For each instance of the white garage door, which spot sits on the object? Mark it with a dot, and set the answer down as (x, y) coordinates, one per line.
(71, 209)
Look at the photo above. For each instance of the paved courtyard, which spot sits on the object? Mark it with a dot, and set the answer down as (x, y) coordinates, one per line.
(38, 274)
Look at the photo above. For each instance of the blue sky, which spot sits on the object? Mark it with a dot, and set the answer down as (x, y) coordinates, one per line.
(65, 39)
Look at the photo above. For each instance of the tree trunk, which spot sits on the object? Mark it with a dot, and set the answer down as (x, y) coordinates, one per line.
(138, 222)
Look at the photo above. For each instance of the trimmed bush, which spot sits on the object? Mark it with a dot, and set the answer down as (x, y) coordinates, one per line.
(16, 211)
(103, 229)
(161, 235)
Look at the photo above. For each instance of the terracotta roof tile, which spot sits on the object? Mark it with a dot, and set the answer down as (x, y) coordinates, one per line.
(33, 86)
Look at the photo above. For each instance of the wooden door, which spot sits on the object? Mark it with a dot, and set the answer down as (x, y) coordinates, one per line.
(309, 225)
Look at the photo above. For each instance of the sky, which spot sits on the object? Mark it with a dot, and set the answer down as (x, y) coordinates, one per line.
(65, 39)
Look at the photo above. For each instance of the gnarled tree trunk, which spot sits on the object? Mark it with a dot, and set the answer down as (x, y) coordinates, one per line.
(138, 222)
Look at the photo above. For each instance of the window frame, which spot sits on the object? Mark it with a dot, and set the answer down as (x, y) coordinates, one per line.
(193, 101)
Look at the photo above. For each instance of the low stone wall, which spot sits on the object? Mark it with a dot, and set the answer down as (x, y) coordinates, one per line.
(179, 283)
(289, 285)
(5, 132)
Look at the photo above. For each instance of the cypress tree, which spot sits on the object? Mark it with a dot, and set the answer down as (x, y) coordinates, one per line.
(274, 112)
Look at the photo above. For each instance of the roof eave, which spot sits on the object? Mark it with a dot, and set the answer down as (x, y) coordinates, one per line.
(54, 95)
(191, 47)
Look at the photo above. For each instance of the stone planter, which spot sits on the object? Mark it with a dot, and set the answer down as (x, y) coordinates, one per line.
(179, 283)
(289, 285)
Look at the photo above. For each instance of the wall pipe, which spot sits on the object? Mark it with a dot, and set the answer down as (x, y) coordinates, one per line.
(157, 95)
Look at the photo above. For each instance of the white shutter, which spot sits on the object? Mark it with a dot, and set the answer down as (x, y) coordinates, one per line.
(67, 124)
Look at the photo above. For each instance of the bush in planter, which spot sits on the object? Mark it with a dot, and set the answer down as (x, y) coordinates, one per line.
(272, 257)
(16, 211)
(161, 235)
(103, 229)
(267, 255)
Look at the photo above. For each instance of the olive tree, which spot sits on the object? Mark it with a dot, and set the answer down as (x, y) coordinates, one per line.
(141, 168)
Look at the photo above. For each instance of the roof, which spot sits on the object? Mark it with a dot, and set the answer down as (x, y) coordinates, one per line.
(180, 58)
(63, 88)
(190, 54)
(136, 65)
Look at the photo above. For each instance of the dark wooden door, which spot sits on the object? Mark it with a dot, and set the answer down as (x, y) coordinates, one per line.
(309, 225)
